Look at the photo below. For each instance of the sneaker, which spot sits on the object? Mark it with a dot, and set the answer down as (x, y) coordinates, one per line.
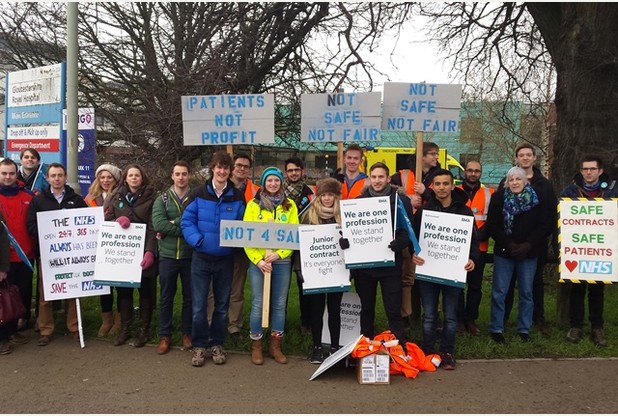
(574, 335)
(524, 337)
(598, 337)
(218, 355)
(5, 348)
(199, 354)
(316, 356)
(18, 339)
(44, 340)
(448, 361)
(498, 337)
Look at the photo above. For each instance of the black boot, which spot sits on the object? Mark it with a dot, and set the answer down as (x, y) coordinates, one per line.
(145, 316)
(126, 316)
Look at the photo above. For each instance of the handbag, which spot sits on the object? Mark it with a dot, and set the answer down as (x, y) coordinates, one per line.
(11, 307)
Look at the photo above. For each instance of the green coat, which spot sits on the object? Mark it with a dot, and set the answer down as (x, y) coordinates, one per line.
(166, 213)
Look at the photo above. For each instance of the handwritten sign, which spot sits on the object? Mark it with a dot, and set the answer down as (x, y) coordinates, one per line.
(68, 244)
(258, 234)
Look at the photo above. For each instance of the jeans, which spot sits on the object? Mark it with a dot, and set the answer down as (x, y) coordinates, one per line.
(279, 286)
(503, 271)
(595, 304)
(430, 297)
(217, 272)
(169, 270)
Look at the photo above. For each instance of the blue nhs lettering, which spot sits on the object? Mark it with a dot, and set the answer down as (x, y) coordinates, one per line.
(596, 267)
(89, 285)
(84, 220)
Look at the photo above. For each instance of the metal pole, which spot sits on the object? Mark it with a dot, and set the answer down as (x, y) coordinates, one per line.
(72, 105)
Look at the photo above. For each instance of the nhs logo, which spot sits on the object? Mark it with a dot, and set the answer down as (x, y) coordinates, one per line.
(89, 285)
(595, 267)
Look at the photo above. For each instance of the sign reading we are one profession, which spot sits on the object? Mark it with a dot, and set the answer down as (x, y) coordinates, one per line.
(340, 117)
(421, 107)
(228, 119)
(588, 240)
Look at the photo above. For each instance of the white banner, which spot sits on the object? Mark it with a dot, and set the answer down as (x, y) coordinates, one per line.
(68, 244)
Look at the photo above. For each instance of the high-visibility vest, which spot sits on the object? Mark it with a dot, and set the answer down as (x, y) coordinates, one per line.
(407, 181)
(250, 191)
(353, 192)
(479, 206)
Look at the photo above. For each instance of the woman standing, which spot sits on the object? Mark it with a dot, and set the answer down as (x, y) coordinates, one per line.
(517, 221)
(324, 210)
(132, 202)
(270, 205)
(106, 179)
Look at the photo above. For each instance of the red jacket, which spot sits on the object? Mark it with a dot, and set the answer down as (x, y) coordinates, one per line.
(14, 203)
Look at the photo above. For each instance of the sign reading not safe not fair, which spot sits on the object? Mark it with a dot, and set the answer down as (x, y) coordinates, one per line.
(228, 119)
(421, 107)
(341, 117)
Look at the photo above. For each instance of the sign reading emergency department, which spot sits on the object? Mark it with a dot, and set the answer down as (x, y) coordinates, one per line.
(445, 246)
(228, 119)
(341, 117)
(589, 240)
(258, 234)
(321, 259)
(421, 107)
(367, 224)
(119, 254)
(68, 243)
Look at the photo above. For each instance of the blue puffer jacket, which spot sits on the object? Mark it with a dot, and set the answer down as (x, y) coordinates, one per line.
(201, 219)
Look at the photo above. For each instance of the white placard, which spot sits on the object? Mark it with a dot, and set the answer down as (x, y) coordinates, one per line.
(589, 240)
(340, 117)
(322, 260)
(350, 320)
(445, 246)
(68, 244)
(119, 254)
(336, 357)
(367, 224)
(421, 107)
(34, 86)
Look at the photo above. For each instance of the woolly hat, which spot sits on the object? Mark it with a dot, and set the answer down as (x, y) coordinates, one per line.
(271, 170)
(331, 185)
(116, 172)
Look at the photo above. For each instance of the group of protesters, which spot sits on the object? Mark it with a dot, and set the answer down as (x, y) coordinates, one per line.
(182, 243)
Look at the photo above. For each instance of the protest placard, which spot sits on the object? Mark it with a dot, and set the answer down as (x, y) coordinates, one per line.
(119, 254)
(350, 320)
(445, 246)
(235, 233)
(588, 240)
(367, 224)
(68, 244)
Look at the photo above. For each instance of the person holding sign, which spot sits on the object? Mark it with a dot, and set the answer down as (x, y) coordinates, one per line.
(131, 202)
(269, 205)
(445, 197)
(32, 171)
(324, 210)
(518, 222)
(590, 182)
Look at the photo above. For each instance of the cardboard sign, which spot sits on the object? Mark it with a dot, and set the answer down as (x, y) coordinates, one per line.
(445, 246)
(367, 224)
(235, 233)
(588, 240)
(322, 260)
(68, 244)
(119, 254)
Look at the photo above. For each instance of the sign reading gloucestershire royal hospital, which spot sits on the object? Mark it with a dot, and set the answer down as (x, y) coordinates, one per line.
(209, 120)
(421, 107)
(340, 117)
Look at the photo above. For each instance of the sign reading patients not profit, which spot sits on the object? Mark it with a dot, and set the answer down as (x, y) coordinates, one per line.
(258, 234)
(421, 107)
(228, 119)
(341, 117)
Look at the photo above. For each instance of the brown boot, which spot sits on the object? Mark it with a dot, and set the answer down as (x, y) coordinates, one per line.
(115, 329)
(275, 350)
(107, 321)
(256, 352)
(126, 316)
(164, 346)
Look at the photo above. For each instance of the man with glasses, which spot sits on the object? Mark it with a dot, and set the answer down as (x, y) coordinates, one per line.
(590, 182)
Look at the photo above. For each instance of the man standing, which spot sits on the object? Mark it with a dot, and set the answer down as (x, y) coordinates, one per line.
(174, 256)
(32, 171)
(295, 188)
(478, 201)
(353, 180)
(590, 182)
(14, 202)
(58, 195)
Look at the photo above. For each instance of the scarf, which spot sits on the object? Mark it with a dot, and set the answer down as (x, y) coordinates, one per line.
(327, 213)
(516, 204)
(270, 202)
(293, 190)
(384, 192)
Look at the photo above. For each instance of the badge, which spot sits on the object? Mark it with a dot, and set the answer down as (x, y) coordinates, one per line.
(120, 205)
(284, 218)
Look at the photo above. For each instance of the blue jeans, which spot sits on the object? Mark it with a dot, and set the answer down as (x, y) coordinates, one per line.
(279, 286)
(503, 272)
(217, 272)
(169, 270)
(430, 298)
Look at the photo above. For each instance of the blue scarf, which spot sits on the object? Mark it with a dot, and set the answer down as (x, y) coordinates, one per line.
(516, 204)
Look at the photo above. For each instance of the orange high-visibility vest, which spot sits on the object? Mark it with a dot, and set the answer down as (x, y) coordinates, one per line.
(355, 191)
(407, 181)
(479, 206)
(250, 191)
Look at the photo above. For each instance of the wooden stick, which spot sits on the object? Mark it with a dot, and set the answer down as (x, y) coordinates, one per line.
(419, 156)
(266, 296)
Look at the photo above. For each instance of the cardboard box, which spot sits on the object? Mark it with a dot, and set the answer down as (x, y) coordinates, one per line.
(374, 369)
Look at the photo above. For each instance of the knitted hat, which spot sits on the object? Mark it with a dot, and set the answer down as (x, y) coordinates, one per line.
(271, 170)
(331, 185)
(116, 172)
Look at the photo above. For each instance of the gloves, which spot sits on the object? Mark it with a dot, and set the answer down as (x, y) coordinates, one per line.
(344, 243)
(124, 221)
(148, 259)
(397, 245)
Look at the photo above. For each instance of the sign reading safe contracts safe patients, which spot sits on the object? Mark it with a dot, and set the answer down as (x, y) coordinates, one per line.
(119, 254)
(341, 117)
(421, 107)
(68, 243)
(367, 224)
(445, 246)
(228, 119)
